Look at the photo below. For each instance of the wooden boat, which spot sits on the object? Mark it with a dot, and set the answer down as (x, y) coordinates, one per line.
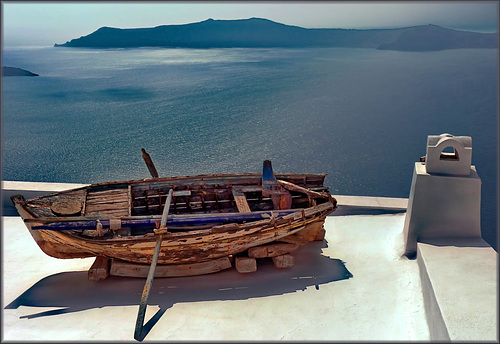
(211, 216)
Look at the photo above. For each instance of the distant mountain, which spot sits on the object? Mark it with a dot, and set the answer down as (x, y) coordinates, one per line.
(256, 32)
(13, 71)
(433, 37)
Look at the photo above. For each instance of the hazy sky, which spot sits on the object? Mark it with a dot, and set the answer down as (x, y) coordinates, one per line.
(46, 23)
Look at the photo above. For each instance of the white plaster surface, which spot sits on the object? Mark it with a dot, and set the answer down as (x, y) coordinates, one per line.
(462, 146)
(38, 186)
(463, 272)
(47, 299)
(442, 206)
(372, 202)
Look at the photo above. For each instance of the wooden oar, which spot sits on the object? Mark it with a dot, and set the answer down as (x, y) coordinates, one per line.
(149, 163)
(149, 281)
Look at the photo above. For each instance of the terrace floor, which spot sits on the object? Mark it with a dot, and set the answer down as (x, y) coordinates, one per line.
(50, 299)
(353, 286)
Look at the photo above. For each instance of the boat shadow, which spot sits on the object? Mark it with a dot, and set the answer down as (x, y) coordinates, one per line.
(73, 292)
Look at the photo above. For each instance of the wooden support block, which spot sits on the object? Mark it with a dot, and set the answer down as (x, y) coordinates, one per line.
(99, 270)
(126, 269)
(321, 235)
(271, 250)
(245, 264)
(283, 262)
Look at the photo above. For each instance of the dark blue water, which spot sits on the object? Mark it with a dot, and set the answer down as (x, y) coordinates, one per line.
(360, 115)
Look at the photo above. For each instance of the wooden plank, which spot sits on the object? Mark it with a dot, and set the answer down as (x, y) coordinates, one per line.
(294, 187)
(250, 188)
(108, 193)
(179, 193)
(111, 192)
(241, 201)
(107, 199)
(104, 203)
(122, 199)
(100, 269)
(126, 269)
(272, 250)
(113, 206)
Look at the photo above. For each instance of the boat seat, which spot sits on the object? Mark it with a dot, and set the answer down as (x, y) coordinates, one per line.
(241, 200)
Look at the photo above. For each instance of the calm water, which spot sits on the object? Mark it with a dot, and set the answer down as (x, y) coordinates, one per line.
(360, 115)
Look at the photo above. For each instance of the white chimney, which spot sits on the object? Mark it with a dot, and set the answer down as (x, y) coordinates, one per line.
(445, 194)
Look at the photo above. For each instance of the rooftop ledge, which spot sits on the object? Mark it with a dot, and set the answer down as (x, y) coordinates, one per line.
(449, 292)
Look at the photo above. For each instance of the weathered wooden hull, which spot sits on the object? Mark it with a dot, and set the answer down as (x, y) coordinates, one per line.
(186, 246)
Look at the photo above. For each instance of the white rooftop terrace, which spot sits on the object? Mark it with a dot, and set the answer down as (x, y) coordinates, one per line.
(356, 285)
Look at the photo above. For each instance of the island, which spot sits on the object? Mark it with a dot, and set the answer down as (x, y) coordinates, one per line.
(264, 33)
(13, 71)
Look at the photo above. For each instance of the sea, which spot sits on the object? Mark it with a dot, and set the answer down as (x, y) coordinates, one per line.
(360, 115)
